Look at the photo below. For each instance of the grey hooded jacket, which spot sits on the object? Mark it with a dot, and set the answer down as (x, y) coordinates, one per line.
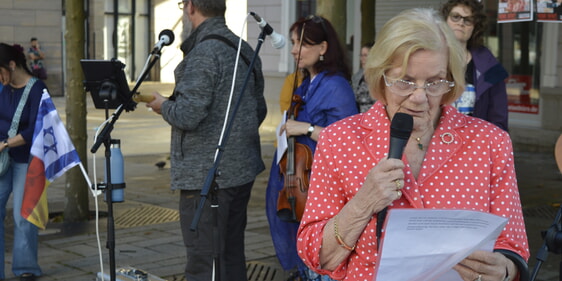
(196, 111)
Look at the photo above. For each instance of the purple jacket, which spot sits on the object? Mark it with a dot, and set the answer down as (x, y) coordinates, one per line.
(491, 94)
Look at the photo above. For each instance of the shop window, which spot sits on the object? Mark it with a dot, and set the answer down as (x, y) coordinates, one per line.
(515, 44)
(131, 18)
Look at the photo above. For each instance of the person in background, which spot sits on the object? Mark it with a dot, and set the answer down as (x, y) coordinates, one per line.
(14, 76)
(324, 97)
(418, 70)
(360, 88)
(485, 94)
(196, 112)
(36, 57)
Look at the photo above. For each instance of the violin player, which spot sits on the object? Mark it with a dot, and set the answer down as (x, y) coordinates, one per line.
(324, 97)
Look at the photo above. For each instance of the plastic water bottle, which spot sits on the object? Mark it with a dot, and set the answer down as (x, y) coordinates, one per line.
(117, 171)
(465, 103)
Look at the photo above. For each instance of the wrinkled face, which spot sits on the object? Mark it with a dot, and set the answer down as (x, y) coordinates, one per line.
(423, 67)
(309, 54)
(462, 30)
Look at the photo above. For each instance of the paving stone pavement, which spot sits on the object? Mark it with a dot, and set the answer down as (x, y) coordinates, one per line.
(147, 233)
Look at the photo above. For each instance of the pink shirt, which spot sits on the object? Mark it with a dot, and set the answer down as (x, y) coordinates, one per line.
(468, 165)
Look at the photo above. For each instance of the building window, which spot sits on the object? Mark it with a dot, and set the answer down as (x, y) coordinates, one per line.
(515, 44)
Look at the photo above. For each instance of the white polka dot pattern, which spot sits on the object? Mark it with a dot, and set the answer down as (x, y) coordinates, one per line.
(468, 165)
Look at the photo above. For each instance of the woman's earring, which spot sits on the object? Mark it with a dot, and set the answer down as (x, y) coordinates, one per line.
(321, 58)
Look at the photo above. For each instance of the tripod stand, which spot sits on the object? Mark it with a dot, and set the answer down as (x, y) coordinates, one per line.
(553, 236)
(106, 81)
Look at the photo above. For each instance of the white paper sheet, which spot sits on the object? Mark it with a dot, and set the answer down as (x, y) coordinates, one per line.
(281, 139)
(424, 244)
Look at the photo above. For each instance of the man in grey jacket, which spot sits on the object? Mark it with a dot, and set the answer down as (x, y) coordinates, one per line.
(196, 112)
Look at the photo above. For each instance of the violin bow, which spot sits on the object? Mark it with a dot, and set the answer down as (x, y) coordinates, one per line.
(296, 74)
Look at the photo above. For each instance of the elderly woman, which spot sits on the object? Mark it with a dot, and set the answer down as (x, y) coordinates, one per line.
(418, 69)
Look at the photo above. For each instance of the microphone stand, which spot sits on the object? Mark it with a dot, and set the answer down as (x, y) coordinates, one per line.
(210, 181)
(552, 242)
(105, 138)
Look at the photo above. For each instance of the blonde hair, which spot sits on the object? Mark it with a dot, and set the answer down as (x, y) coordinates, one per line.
(410, 31)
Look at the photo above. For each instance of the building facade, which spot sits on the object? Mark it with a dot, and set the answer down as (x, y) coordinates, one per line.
(528, 50)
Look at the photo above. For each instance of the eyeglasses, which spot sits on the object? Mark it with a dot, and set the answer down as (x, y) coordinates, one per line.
(317, 19)
(468, 21)
(181, 4)
(405, 88)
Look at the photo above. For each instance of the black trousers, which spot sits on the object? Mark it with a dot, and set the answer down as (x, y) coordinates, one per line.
(232, 220)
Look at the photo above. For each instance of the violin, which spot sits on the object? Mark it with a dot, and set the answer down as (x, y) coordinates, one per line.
(295, 165)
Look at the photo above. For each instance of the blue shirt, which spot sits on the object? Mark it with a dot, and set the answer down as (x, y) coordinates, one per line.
(327, 99)
(9, 100)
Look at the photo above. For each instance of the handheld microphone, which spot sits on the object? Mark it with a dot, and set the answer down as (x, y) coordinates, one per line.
(400, 131)
(277, 40)
(166, 37)
(401, 128)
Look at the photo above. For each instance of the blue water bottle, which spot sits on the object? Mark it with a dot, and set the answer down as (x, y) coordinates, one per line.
(117, 171)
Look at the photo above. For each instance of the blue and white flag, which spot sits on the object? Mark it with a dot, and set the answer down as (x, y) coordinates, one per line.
(52, 155)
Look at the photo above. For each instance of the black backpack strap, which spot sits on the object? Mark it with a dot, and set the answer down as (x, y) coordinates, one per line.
(229, 43)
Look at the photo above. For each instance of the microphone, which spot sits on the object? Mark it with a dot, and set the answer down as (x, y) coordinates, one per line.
(277, 40)
(166, 37)
(400, 130)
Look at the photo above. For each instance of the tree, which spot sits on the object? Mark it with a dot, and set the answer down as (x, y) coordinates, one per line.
(335, 12)
(76, 189)
(368, 32)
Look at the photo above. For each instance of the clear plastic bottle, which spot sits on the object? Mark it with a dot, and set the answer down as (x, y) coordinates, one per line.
(465, 103)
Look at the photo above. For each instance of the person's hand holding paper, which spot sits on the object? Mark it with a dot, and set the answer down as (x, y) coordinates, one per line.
(424, 244)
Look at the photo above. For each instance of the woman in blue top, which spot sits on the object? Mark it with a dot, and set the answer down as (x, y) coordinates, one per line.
(325, 96)
(14, 76)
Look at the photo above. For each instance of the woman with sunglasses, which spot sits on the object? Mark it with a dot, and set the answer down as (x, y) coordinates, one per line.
(324, 97)
(450, 161)
(485, 94)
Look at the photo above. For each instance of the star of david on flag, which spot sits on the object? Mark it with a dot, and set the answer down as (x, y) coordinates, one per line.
(52, 155)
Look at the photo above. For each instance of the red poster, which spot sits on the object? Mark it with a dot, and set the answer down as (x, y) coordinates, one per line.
(519, 97)
(549, 10)
(515, 10)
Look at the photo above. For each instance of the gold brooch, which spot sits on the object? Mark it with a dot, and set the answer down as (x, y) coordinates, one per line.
(447, 138)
